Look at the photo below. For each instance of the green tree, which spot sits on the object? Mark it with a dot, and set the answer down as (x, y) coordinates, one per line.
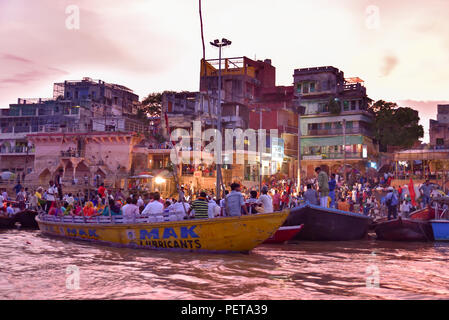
(395, 126)
(152, 104)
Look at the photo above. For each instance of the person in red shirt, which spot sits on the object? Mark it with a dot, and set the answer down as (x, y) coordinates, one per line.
(102, 190)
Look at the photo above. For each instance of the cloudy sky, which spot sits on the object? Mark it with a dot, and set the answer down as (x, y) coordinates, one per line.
(400, 48)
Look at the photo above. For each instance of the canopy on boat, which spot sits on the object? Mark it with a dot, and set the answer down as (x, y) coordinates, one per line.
(142, 176)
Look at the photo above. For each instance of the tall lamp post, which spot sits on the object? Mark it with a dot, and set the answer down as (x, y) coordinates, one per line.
(300, 111)
(219, 44)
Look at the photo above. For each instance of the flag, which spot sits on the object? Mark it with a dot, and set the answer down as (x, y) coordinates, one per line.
(411, 189)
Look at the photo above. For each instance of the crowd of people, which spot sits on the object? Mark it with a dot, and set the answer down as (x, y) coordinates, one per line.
(374, 197)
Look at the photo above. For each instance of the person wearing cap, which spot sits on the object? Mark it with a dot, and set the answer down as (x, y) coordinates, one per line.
(392, 201)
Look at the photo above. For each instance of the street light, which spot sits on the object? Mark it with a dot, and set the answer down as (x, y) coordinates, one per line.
(216, 43)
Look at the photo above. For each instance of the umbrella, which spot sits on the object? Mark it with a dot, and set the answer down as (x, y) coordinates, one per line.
(6, 175)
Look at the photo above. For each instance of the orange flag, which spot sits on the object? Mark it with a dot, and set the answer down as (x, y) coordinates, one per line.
(411, 189)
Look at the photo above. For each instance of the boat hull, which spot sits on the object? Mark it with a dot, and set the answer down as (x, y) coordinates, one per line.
(230, 234)
(27, 219)
(404, 230)
(7, 223)
(323, 224)
(440, 229)
(284, 234)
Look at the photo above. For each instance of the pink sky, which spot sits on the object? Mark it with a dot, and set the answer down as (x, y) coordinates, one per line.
(153, 45)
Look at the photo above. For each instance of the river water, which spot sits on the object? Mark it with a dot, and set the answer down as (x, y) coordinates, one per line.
(33, 266)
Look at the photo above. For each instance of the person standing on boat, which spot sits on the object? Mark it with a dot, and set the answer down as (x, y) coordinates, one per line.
(236, 202)
(392, 201)
(323, 186)
(332, 186)
(426, 189)
(50, 196)
(311, 195)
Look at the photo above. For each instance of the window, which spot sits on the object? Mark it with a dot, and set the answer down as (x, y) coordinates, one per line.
(305, 88)
(298, 87)
(349, 124)
(327, 125)
(353, 105)
(345, 105)
(338, 125)
(312, 87)
(440, 142)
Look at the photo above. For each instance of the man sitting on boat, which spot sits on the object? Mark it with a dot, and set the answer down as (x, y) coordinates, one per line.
(266, 201)
(201, 207)
(235, 202)
(154, 207)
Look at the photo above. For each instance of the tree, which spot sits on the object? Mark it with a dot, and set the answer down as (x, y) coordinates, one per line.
(152, 104)
(395, 126)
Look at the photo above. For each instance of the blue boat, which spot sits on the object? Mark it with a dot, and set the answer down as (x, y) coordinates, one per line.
(440, 225)
(440, 230)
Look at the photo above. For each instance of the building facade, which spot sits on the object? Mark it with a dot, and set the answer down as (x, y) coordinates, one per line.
(335, 129)
(439, 129)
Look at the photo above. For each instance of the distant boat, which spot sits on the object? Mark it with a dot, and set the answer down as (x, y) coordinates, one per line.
(7, 222)
(227, 234)
(26, 218)
(327, 224)
(402, 229)
(440, 222)
(284, 234)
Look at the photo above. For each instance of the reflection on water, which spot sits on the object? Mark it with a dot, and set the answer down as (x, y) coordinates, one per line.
(33, 266)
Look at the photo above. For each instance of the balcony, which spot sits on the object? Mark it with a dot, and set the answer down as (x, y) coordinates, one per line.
(18, 150)
(339, 131)
(332, 156)
(288, 129)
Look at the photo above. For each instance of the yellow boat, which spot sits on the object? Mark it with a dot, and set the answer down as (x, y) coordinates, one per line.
(226, 234)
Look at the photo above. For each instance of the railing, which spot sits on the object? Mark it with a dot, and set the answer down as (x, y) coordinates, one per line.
(288, 129)
(335, 131)
(18, 149)
(324, 156)
(163, 217)
(72, 154)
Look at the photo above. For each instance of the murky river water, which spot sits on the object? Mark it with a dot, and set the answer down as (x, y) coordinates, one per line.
(33, 266)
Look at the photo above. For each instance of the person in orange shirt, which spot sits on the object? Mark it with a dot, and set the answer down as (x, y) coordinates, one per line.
(343, 205)
(89, 209)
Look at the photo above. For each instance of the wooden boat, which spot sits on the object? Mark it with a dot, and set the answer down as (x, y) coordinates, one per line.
(27, 219)
(423, 214)
(283, 234)
(327, 224)
(404, 230)
(7, 222)
(227, 234)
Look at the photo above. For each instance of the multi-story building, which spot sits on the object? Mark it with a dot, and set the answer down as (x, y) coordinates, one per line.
(335, 129)
(76, 107)
(439, 129)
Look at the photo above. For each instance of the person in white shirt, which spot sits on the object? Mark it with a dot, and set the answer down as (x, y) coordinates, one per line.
(155, 207)
(140, 202)
(1, 200)
(50, 196)
(405, 208)
(130, 210)
(266, 201)
(212, 209)
(178, 208)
